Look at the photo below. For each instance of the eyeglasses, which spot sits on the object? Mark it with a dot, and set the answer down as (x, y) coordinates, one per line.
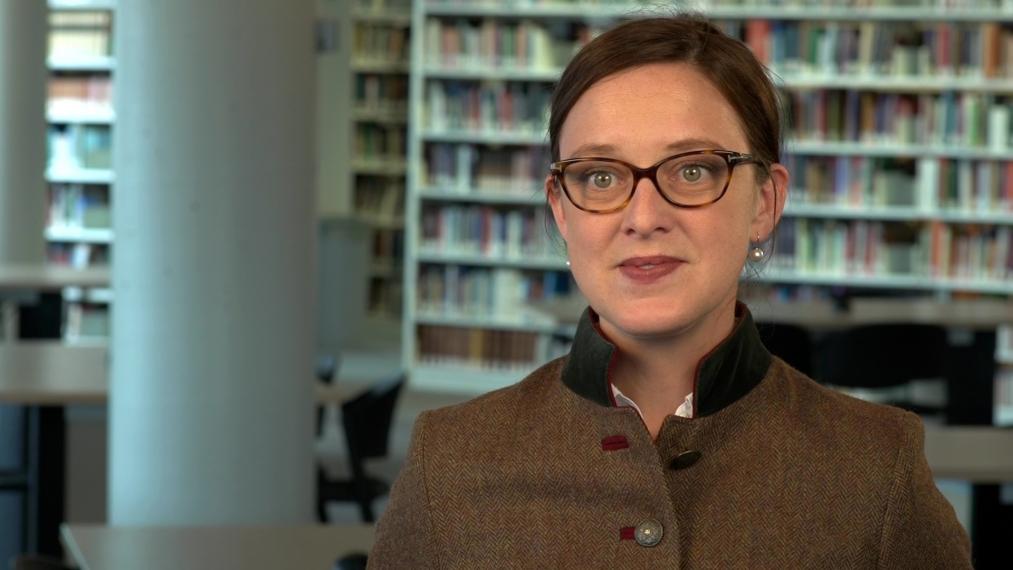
(687, 180)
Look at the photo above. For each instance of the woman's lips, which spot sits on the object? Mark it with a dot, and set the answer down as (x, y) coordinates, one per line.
(646, 270)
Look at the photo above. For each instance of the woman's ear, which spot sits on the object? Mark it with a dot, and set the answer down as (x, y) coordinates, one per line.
(770, 201)
(555, 196)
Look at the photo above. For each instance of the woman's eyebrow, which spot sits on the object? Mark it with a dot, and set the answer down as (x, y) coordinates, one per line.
(604, 149)
(693, 144)
(590, 149)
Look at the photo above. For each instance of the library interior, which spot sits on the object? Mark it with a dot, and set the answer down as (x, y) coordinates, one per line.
(331, 216)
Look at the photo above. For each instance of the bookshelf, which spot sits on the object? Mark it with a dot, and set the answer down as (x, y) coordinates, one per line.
(79, 174)
(899, 142)
(381, 31)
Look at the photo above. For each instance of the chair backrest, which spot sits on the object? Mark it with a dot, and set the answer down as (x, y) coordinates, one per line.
(327, 366)
(884, 355)
(367, 419)
(791, 343)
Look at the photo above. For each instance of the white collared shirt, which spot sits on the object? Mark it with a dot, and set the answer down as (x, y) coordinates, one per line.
(683, 411)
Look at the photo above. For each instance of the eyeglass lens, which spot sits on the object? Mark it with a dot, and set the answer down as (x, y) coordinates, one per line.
(687, 180)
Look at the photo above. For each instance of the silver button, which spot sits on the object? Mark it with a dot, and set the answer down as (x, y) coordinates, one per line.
(649, 533)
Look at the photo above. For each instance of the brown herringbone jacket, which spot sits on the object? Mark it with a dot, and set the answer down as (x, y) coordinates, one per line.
(548, 473)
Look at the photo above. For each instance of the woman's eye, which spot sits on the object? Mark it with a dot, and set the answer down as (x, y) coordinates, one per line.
(692, 173)
(602, 179)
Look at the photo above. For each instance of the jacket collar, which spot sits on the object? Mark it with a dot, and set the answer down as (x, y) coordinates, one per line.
(724, 375)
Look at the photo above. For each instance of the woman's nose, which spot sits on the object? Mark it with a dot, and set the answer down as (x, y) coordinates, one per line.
(647, 211)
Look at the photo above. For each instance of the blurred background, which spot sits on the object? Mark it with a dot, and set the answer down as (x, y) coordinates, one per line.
(244, 243)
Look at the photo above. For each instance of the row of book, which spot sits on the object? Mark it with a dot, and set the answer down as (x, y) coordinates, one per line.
(969, 252)
(381, 92)
(383, 5)
(380, 42)
(466, 168)
(935, 4)
(78, 255)
(385, 298)
(79, 206)
(79, 146)
(948, 118)
(928, 184)
(388, 248)
(493, 349)
(380, 142)
(545, 45)
(934, 250)
(379, 197)
(788, 46)
(965, 119)
(1004, 396)
(486, 292)
(77, 34)
(488, 231)
(487, 106)
(879, 48)
(87, 321)
(73, 94)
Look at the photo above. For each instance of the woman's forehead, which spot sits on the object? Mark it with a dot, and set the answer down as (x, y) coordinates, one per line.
(657, 106)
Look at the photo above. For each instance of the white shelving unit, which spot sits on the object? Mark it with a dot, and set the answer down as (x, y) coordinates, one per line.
(87, 308)
(605, 10)
(377, 182)
(471, 375)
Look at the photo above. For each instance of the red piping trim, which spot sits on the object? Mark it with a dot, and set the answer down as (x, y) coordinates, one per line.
(614, 443)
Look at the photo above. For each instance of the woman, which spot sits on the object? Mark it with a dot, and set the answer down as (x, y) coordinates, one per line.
(669, 437)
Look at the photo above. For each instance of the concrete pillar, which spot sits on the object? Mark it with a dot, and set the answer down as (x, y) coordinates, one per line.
(211, 411)
(23, 28)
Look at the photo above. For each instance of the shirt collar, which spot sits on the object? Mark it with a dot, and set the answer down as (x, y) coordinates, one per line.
(725, 374)
(685, 409)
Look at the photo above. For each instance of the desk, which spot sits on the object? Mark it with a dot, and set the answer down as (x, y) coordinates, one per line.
(213, 548)
(970, 453)
(44, 376)
(963, 314)
(47, 373)
(50, 277)
(974, 315)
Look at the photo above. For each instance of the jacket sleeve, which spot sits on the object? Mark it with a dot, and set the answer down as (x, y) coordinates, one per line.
(920, 529)
(404, 534)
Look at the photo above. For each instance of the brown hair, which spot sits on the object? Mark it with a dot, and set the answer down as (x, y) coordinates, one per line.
(683, 38)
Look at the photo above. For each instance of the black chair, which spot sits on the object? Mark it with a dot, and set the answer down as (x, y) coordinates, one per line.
(327, 367)
(791, 343)
(884, 356)
(367, 420)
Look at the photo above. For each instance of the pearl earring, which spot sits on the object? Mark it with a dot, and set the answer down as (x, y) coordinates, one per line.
(567, 262)
(757, 253)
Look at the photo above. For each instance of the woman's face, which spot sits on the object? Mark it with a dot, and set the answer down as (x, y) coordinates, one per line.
(643, 115)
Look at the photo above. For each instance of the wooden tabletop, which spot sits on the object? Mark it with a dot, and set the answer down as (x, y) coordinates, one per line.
(976, 454)
(48, 277)
(41, 373)
(977, 314)
(94, 547)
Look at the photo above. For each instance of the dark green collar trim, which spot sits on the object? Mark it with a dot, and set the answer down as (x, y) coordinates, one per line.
(724, 375)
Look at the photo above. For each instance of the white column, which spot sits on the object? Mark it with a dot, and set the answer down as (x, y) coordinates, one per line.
(211, 411)
(23, 29)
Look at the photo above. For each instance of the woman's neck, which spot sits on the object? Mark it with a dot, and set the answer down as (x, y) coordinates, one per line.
(658, 373)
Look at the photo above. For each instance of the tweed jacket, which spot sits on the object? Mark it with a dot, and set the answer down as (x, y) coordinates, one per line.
(773, 471)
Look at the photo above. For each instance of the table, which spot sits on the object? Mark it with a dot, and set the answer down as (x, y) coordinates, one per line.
(94, 547)
(45, 376)
(47, 373)
(51, 277)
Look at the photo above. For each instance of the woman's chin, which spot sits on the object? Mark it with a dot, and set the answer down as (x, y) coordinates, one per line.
(646, 319)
